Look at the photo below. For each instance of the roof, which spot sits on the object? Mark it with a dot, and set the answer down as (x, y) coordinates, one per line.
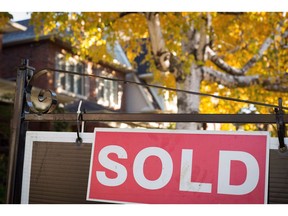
(29, 35)
(12, 27)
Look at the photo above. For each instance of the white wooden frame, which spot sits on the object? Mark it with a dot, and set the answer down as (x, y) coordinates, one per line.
(60, 137)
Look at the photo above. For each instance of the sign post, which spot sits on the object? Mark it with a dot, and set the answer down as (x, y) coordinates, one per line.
(17, 138)
(169, 167)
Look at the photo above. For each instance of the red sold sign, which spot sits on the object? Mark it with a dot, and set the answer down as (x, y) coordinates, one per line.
(155, 166)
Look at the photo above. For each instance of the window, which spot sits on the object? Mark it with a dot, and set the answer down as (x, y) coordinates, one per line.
(108, 93)
(69, 83)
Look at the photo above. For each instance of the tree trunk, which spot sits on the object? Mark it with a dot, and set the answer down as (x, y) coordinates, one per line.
(189, 103)
(186, 103)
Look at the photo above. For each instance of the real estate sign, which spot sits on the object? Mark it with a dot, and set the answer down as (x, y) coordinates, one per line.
(163, 166)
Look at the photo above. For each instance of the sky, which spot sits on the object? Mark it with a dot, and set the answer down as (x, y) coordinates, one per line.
(19, 13)
(141, 5)
(20, 16)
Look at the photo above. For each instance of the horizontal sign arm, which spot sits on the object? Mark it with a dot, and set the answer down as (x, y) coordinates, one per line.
(145, 117)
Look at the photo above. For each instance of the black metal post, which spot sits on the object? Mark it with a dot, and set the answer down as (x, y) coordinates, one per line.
(18, 133)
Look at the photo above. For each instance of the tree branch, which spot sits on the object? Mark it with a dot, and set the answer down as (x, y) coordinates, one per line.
(164, 60)
(231, 13)
(279, 84)
(220, 63)
(156, 37)
(122, 14)
(228, 80)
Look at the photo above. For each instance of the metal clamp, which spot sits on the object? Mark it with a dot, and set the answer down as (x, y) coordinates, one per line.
(281, 129)
(79, 118)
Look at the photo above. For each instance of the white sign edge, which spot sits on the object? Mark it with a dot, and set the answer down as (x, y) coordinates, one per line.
(43, 136)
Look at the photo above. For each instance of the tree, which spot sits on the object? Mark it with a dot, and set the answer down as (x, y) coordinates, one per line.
(241, 55)
(4, 18)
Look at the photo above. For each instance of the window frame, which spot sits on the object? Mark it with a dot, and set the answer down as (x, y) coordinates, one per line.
(62, 80)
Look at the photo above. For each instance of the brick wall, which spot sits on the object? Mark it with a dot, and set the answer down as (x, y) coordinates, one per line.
(40, 54)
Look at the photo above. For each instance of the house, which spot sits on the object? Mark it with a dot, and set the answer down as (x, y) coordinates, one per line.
(98, 95)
